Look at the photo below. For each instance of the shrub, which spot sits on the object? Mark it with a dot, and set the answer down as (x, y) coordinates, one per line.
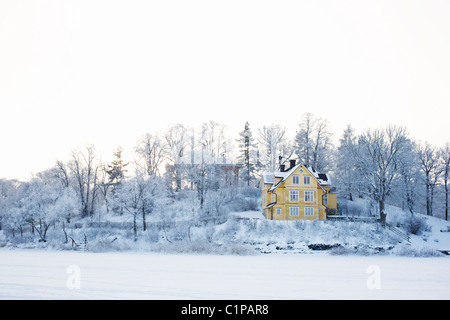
(408, 251)
(414, 225)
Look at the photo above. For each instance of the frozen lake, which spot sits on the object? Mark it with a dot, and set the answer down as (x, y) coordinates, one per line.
(34, 274)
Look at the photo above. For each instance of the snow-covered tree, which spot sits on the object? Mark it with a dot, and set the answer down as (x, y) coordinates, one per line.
(176, 139)
(409, 170)
(377, 158)
(47, 202)
(313, 142)
(139, 196)
(275, 149)
(247, 153)
(116, 170)
(347, 177)
(445, 162)
(151, 151)
(213, 141)
(429, 160)
(84, 168)
(111, 176)
(11, 214)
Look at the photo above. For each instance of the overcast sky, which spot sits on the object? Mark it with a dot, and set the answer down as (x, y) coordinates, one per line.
(105, 72)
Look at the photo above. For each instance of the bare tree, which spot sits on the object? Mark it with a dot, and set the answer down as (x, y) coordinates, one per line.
(176, 138)
(62, 173)
(445, 154)
(139, 196)
(152, 151)
(430, 166)
(313, 142)
(410, 175)
(85, 170)
(377, 159)
(213, 141)
(274, 147)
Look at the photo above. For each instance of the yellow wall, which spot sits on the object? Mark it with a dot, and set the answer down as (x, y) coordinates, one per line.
(281, 211)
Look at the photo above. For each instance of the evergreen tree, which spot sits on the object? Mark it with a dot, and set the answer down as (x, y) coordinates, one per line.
(347, 178)
(116, 169)
(115, 175)
(247, 152)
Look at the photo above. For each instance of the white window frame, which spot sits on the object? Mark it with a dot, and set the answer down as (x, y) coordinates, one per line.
(307, 178)
(309, 196)
(325, 199)
(294, 211)
(296, 179)
(309, 212)
(294, 196)
(278, 210)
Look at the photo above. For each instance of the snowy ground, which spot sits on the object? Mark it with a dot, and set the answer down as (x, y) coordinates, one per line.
(37, 274)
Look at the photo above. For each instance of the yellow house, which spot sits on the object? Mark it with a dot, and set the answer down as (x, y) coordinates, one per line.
(297, 193)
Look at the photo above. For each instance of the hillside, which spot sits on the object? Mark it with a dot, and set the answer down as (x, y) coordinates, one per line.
(244, 233)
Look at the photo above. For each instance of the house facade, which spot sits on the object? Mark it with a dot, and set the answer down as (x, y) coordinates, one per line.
(297, 192)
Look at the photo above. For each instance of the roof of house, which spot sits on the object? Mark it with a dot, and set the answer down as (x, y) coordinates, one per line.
(283, 175)
(269, 177)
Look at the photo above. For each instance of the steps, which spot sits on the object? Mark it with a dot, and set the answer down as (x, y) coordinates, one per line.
(399, 233)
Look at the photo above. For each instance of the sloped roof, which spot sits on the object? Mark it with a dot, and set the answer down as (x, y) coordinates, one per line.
(268, 177)
(322, 178)
(284, 175)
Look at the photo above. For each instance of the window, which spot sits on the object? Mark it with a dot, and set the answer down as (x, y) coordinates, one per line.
(309, 196)
(325, 199)
(278, 210)
(295, 179)
(307, 180)
(294, 211)
(309, 211)
(293, 195)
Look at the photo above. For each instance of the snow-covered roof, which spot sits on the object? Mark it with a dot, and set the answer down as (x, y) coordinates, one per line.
(284, 175)
(269, 178)
(322, 178)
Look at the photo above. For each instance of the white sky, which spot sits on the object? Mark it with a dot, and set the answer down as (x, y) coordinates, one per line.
(105, 72)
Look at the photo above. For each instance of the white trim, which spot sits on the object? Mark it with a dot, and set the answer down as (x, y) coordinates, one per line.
(294, 213)
(325, 199)
(311, 193)
(309, 182)
(294, 196)
(308, 212)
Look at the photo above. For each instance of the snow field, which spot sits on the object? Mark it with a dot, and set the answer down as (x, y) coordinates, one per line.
(37, 274)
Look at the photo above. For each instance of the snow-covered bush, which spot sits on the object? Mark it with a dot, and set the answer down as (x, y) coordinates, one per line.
(358, 207)
(407, 250)
(414, 225)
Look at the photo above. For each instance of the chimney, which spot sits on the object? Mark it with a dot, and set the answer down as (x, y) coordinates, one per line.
(292, 163)
(282, 167)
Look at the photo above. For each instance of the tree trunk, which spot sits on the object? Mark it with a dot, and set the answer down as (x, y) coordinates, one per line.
(144, 223)
(135, 227)
(428, 196)
(383, 214)
(446, 196)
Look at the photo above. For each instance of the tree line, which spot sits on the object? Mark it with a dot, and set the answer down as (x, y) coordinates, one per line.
(384, 164)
